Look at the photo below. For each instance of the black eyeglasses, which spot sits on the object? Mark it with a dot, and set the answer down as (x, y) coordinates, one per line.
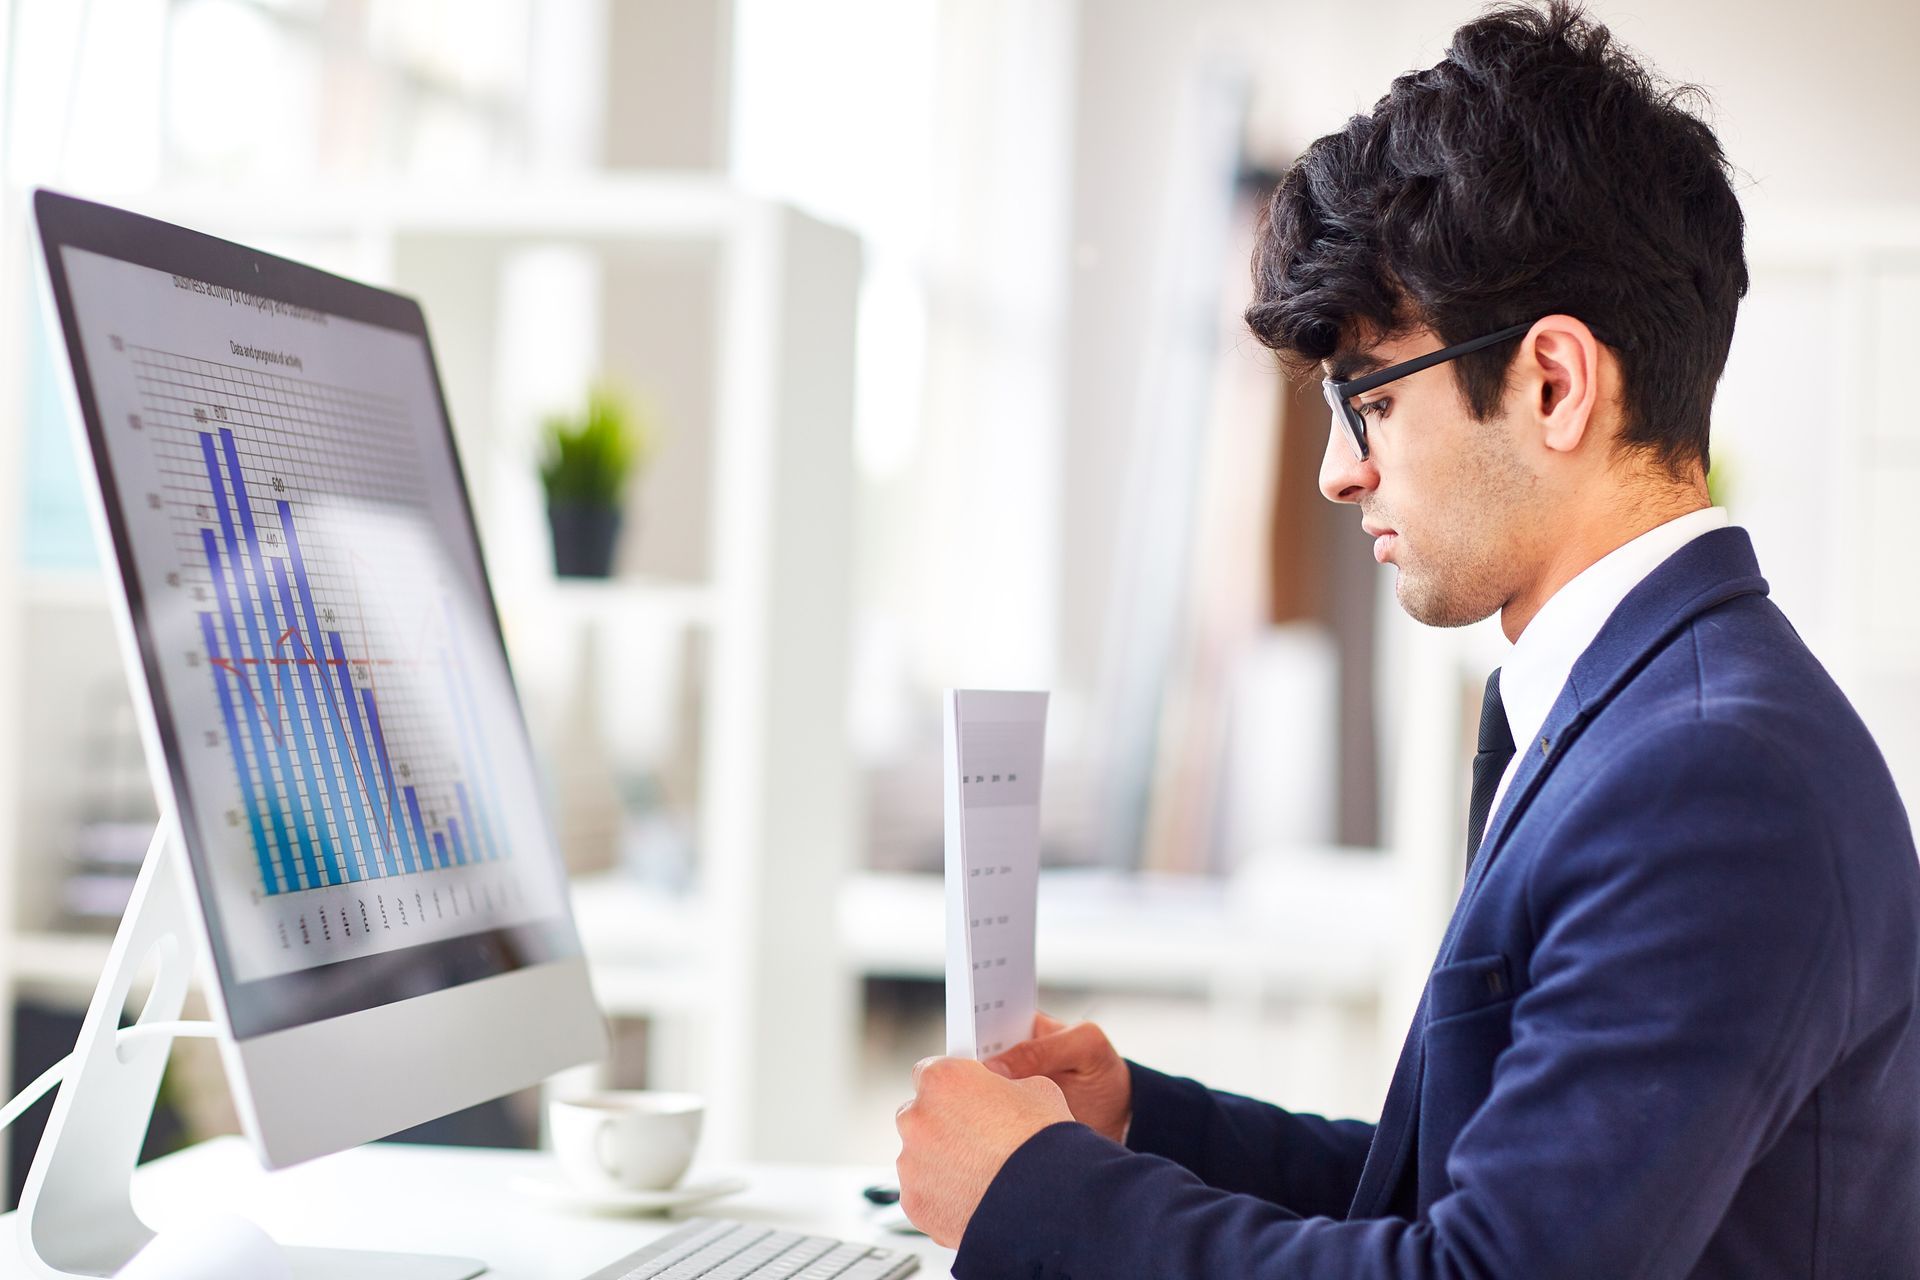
(1340, 394)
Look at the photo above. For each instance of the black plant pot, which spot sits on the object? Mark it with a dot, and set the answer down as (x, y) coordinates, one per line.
(583, 538)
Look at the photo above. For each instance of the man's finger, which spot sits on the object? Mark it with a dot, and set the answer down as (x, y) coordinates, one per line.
(920, 1068)
(1021, 1060)
(1045, 1026)
(1080, 1044)
(1071, 1049)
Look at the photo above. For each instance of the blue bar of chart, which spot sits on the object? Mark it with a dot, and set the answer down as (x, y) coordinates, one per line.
(326, 798)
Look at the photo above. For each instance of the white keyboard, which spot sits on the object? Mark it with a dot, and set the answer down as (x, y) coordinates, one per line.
(707, 1249)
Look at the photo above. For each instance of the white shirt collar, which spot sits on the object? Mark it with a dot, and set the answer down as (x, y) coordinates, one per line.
(1542, 658)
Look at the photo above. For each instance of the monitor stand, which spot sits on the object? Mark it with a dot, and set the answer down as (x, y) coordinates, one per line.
(77, 1209)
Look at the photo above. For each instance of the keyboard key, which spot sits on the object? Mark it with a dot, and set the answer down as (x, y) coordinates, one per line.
(717, 1250)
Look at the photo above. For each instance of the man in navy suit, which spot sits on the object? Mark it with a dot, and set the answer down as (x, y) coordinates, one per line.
(1671, 1028)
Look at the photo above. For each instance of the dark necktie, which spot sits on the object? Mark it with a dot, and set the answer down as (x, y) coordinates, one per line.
(1490, 761)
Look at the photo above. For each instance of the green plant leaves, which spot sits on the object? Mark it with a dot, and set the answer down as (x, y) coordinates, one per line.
(586, 457)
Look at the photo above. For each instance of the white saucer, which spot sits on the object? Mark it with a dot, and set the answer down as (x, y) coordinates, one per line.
(554, 1187)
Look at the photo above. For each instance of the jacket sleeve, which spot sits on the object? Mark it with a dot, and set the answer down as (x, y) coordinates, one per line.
(1688, 987)
(1303, 1162)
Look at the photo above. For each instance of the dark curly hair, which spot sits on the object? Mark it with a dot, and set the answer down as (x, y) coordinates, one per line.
(1538, 168)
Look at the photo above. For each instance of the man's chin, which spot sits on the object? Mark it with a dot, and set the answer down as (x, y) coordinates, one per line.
(1434, 605)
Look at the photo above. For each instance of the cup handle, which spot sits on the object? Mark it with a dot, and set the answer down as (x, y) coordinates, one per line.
(600, 1133)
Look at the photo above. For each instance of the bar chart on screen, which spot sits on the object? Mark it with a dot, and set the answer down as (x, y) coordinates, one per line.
(355, 751)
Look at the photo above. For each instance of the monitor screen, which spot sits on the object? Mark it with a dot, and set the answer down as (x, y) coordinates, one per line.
(345, 748)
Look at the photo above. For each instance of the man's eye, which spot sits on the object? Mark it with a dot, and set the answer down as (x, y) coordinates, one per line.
(1375, 407)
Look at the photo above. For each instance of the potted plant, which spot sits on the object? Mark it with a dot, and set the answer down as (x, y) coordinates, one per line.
(585, 460)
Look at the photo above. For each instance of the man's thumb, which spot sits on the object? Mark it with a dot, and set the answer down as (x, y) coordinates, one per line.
(1013, 1064)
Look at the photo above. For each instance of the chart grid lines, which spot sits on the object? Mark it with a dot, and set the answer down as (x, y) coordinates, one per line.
(313, 614)
(325, 793)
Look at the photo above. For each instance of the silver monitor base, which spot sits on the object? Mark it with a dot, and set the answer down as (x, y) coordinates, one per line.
(77, 1209)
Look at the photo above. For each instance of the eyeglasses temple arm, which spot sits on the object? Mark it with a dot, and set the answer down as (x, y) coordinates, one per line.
(1393, 373)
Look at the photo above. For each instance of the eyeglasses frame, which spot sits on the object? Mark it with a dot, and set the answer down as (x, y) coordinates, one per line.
(1340, 394)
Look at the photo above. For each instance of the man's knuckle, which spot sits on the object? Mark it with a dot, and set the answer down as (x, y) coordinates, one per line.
(1044, 1089)
(938, 1073)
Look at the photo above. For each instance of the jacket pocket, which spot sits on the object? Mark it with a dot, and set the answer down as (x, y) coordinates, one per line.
(1469, 1025)
(1467, 985)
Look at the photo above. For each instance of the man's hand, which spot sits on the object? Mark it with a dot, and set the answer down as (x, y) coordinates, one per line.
(956, 1131)
(1083, 1062)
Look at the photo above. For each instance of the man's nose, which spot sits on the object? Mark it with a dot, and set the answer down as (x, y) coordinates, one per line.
(1343, 477)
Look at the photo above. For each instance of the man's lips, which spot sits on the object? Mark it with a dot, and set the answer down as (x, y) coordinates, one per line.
(1383, 539)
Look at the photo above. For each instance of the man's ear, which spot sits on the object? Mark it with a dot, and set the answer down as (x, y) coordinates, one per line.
(1557, 372)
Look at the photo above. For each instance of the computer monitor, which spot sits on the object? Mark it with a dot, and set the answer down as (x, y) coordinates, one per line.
(319, 670)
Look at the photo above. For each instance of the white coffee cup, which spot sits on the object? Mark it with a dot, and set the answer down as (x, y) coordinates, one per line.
(625, 1139)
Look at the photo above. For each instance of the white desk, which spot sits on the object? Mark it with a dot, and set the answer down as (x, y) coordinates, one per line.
(460, 1200)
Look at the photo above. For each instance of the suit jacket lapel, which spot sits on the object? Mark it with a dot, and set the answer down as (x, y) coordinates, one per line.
(1707, 572)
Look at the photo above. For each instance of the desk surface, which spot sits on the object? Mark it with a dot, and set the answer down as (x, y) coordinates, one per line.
(462, 1201)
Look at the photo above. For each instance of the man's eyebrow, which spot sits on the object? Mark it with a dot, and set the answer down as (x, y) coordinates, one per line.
(1345, 368)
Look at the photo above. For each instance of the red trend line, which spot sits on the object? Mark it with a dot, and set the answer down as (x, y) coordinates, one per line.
(227, 665)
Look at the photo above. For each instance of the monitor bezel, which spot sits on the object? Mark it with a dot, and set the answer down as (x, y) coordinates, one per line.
(280, 1003)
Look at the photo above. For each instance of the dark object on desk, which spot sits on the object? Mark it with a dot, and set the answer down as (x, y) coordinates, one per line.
(882, 1195)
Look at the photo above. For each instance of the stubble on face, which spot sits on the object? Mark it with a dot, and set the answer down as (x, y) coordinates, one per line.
(1471, 531)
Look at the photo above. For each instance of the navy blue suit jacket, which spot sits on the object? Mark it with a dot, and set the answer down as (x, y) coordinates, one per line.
(1670, 1031)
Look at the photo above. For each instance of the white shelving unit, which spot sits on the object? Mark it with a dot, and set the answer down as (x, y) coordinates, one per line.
(753, 1005)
